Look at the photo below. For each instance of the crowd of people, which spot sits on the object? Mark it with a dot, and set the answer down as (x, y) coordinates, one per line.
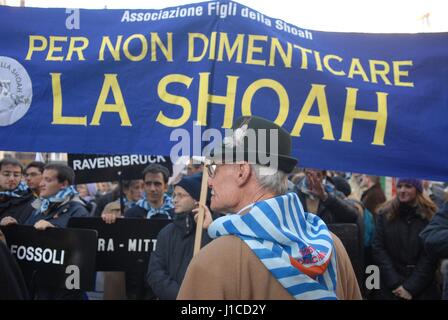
(289, 214)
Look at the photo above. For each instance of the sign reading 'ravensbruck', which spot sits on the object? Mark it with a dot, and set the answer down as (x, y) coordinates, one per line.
(98, 168)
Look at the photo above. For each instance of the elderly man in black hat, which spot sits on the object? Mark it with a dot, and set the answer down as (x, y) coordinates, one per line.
(267, 247)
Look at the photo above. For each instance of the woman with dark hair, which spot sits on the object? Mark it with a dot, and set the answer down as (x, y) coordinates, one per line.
(406, 271)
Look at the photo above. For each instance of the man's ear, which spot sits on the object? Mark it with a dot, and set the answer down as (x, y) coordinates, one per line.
(244, 172)
(65, 184)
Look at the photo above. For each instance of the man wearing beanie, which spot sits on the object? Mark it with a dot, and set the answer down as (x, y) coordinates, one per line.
(175, 242)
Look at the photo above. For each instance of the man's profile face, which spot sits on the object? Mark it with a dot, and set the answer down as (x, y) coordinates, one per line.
(50, 185)
(155, 186)
(10, 177)
(224, 188)
(33, 178)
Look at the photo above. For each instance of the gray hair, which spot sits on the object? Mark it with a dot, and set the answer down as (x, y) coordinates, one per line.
(271, 179)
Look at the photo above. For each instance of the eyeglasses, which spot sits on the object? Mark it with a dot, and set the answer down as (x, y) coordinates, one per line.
(211, 169)
(7, 174)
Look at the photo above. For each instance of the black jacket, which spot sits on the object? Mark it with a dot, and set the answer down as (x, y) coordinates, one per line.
(174, 251)
(59, 214)
(12, 284)
(333, 210)
(398, 252)
(435, 235)
(18, 208)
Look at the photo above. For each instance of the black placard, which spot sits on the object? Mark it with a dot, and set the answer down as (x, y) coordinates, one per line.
(45, 257)
(124, 244)
(100, 168)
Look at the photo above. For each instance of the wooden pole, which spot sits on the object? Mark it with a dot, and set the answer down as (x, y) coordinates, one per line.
(200, 222)
(120, 185)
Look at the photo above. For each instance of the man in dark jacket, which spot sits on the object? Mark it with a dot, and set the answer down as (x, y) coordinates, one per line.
(320, 197)
(15, 196)
(435, 238)
(175, 242)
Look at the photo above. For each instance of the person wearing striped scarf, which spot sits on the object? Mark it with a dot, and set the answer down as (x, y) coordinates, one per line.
(15, 196)
(267, 247)
(58, 200)
(155, 204)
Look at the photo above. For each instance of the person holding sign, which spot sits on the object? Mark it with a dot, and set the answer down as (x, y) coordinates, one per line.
(154, 205)
(59, 200)
(269, 248)
(175, 242)
(15, 196)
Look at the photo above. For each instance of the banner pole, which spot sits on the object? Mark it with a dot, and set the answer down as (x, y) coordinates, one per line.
(120, 185)
(200, 222)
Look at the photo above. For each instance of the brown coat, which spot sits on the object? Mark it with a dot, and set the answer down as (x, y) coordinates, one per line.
(227, 269)
(373, 198)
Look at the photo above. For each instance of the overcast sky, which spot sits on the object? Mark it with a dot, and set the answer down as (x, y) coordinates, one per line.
(329, 15)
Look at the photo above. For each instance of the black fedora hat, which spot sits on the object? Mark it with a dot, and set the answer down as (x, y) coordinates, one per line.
(252, 140)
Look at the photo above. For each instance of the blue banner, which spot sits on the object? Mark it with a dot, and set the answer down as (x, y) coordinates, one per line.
(128, 81)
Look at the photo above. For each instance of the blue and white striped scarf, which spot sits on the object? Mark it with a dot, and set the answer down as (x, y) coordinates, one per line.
(17, 192)
(166, 207)
(295, 246)
(59, 197)
(128, 204)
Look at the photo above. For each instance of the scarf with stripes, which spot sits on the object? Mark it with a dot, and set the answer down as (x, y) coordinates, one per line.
(44, 203)
(295, 246)
(165, 209)
(18, 192)
(128, 204)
